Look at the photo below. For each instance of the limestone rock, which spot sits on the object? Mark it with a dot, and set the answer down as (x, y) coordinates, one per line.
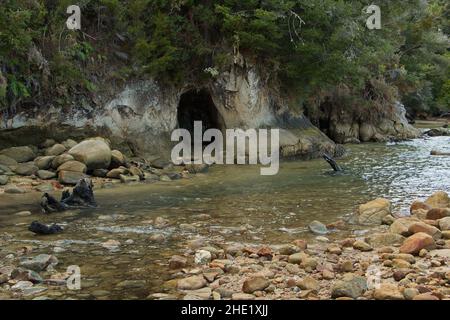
(44, 163)
(418, 205)
(426, 228)
(70, 177)
(439, 199)
(19, 154)
(13, 189)
(45, 174)
(374, 211)
(177, 262)
(191, 283)
(69, 143)
(26, 169)
(362, 246)
(7, 161)
(59, 160)
(3, 180)
(417, 242)
(255, 284)
(74, 166)
(39, 262)
(351, 285)
(94, 153)
(384, 239)
(308, 283)
(388, 291)
(401, 225)
(437, 213)
(116, 172)
(117, 159)
(444, 224)
(55, 150)
(317, 227)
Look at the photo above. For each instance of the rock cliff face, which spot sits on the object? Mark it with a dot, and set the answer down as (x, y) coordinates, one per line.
(143, 114)
(346, 127)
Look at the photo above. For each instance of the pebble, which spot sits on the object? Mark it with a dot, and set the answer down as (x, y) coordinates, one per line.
(362, 246)
(111, 244)
(191, 283)
(410, 293)
(308, 283)
(255, 284)
(351, 286)
(177, 262)
(202, 257)
(388, 291)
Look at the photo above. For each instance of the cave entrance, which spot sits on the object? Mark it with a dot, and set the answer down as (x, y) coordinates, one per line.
(197, 105)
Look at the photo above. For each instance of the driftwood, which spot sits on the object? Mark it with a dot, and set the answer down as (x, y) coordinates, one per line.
(82, 196)
(40, 228)
(331, 162)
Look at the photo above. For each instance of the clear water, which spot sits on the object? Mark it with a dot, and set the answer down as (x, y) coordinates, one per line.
(244, 207)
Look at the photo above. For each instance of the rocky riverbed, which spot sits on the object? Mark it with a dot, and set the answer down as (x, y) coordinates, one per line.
(397, 258)
(220, 235)
(52, 165)
(404, 258)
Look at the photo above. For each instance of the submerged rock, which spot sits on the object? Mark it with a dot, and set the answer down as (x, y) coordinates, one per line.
(177, 262)
(39, 262)
(317, 227)
(39, 228)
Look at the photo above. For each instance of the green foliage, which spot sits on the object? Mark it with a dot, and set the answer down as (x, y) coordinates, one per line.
(313, 48)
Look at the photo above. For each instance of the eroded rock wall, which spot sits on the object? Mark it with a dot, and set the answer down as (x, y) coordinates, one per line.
(345, 127)
(143, 114)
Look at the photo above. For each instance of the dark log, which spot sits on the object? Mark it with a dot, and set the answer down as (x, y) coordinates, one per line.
(39, 228)
(82, 196)
(331, 162)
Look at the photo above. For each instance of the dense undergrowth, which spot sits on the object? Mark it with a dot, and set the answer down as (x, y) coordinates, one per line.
(320, 51)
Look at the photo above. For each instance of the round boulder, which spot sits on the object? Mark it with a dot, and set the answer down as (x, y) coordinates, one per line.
(374, 211)
(59, 160)
(94, 153)
(73, 165)
(55, 150)
(19, 154)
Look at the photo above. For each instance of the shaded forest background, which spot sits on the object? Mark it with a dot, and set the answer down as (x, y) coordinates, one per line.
(316, 51)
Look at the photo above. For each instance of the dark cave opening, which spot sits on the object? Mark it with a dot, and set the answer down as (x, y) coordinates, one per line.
(197, 105)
